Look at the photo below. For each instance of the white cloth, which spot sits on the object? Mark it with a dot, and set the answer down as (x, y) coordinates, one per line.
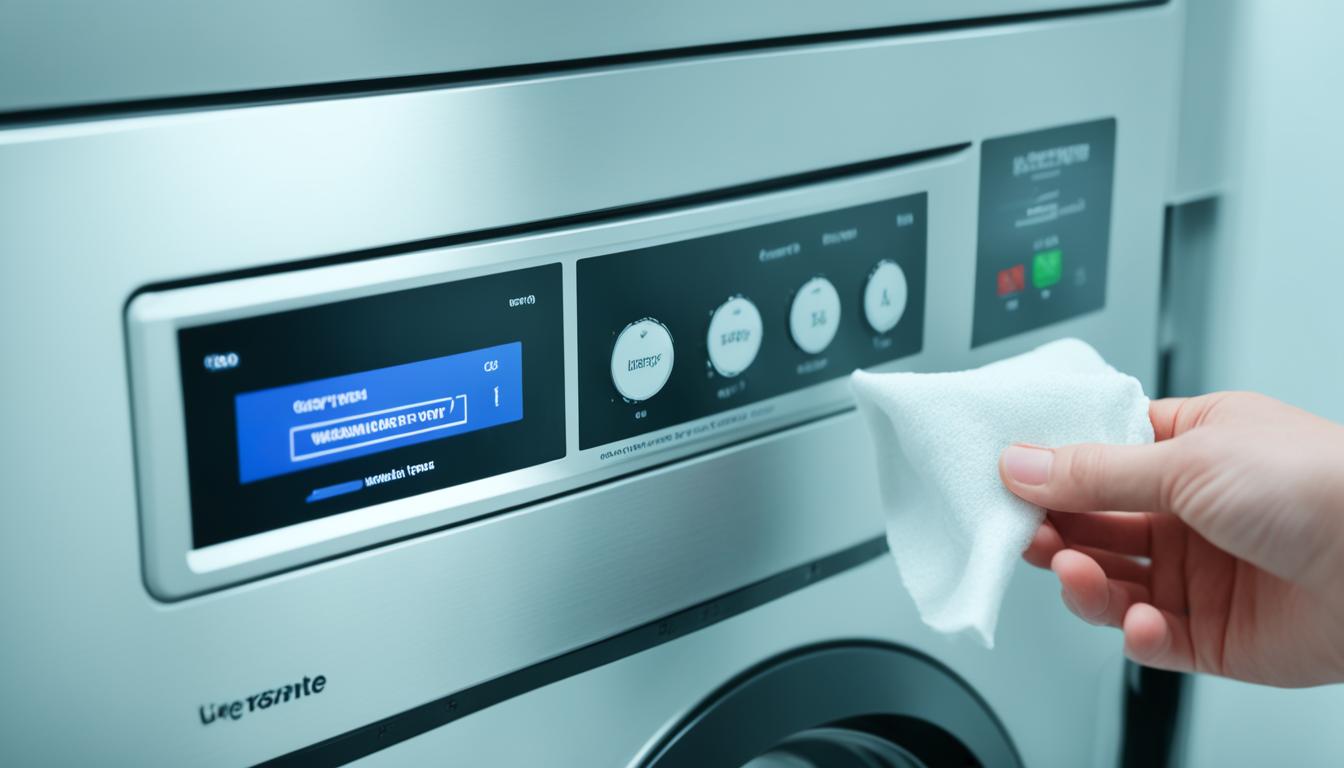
(955, 531)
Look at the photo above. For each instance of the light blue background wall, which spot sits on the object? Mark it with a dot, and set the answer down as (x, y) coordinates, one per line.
(1273, 316)
(1276, 307)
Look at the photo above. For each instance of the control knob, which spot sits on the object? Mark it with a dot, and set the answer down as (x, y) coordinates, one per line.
(815, 315)
(885, 295)
(641, 359)
(734, 336)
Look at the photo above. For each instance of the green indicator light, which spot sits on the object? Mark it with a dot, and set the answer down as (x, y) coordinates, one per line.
(1047, 267)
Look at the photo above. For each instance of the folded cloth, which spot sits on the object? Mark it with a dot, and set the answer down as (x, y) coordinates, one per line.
(955, 531)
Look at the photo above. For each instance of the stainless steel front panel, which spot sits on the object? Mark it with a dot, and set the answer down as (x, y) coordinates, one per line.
(1059, 701)
(66, 52)
(92, 212)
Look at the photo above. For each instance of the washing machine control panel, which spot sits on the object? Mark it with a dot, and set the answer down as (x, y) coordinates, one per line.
(678, 331)
(290, 417)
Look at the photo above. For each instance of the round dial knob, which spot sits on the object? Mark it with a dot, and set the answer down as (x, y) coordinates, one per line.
(641, 359)
(815, 315)
(885, 295)
(734, 336)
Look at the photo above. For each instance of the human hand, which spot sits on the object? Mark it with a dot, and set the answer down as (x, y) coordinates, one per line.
(1218, 549)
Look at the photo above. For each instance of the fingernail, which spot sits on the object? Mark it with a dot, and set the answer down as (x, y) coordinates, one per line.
(1027, 464)
(1068, 603)
(1076, 610)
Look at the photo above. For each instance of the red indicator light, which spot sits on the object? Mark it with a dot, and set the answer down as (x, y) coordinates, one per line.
(1012, 280)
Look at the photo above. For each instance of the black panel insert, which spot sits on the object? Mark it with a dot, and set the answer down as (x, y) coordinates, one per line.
(681, 284)
(302, 414)
(1045, 228)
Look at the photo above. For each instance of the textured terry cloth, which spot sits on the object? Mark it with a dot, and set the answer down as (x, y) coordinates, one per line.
(955, 531)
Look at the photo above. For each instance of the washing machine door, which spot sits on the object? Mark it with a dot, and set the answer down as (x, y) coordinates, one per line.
(859, 705)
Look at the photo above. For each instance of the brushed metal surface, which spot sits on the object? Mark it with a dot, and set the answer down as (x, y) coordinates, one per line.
(67, 52)
(1060, 705)
(90, 213)
(197, 193)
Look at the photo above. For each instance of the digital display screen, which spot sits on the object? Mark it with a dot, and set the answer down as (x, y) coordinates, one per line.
(311, 412)
(292, 428)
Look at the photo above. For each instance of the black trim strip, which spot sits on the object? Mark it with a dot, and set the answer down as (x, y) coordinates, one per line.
(661, 205)
(1153, 725)
(381, 734)
(347, 88)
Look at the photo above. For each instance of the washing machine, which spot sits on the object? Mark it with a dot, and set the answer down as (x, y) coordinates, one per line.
(408, 384)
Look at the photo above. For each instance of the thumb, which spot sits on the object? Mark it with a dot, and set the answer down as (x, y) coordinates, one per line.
(1089, 477)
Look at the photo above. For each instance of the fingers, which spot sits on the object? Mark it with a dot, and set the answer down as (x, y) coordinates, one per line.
(1117, 562)
(1174, 416)
(1043, 546)
(1157, 638)
(1088, 592)
(1153, 637)
(1125, 533)
(1093, 477)
(1117, 566)
(1111, 538)
(1165, 416)
(1088, 477)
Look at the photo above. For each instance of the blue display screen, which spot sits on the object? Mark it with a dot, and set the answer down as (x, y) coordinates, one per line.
(331, 408)
(299, 426)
